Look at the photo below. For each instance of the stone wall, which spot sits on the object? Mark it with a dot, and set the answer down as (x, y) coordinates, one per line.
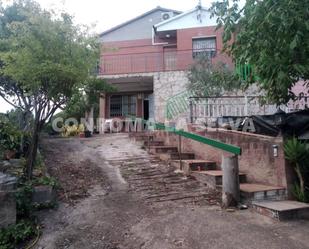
(167, 85)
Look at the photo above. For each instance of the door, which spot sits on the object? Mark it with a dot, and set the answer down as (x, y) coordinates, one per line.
(146, 109)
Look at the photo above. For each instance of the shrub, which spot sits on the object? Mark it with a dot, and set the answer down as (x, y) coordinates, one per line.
(12, 236)
(297, 153)
(72, 130)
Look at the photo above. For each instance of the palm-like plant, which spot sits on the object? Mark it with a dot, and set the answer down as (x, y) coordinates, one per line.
(297, 154)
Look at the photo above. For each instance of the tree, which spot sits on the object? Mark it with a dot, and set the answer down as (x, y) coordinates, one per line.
(272, 36)
(208, 79)
(45, 59)
(87, 99)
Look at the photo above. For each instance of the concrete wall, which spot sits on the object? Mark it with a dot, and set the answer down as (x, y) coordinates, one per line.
(139, 28)
(7, 209)
(257, 159)
(189, 20)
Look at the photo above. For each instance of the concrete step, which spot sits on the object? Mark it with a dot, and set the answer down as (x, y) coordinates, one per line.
(194, 165)
(154, 143)
(282, 210)
(250, 192)
(177, 156)
(162, 149)
(213, 178)
(141, 135)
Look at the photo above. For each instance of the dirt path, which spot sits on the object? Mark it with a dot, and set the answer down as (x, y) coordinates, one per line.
(114, 195)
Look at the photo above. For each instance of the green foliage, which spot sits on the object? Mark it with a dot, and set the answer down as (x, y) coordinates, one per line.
(23, 199)
(297, 153)
(44, 60)
(271, 36)
(72, 130)
(208, 79)
(12, 236)
(46, 180)
(86, 98)
(299, 194)
(10, 136)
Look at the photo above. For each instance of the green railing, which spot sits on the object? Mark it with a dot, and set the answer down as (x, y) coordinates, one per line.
(245, 71)
(177, 104)
(211, 142)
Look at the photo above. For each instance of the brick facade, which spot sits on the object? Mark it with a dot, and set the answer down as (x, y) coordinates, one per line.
(257, 160)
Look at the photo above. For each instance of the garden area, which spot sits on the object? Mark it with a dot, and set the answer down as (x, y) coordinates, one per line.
(47, 70)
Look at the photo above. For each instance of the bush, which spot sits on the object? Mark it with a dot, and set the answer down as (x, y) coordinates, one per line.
(72, 130)
(297, 153)
(12, 236)
(10, 136)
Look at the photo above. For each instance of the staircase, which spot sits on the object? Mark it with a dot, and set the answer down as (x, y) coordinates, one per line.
(207, 172)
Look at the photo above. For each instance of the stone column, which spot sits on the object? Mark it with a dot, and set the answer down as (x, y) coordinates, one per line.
(102, 107)
(102, 113)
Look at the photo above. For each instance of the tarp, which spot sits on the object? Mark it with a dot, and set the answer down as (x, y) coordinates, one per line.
(288, 124)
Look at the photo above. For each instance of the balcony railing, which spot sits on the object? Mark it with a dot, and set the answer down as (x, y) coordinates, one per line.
(154, 62)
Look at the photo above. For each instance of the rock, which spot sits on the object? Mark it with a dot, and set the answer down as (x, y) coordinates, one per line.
(16, 163)
(4, 165)
(7, 182)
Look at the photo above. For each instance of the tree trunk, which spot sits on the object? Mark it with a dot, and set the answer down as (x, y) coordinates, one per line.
(300, 177)
(31, 154)
(231, 191)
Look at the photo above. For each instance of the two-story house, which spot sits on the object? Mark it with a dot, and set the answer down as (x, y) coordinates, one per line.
(147, 59)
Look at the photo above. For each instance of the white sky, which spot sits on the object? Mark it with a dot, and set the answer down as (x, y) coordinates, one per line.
(106, 14)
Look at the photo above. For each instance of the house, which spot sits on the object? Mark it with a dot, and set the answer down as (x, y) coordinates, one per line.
(147, 59)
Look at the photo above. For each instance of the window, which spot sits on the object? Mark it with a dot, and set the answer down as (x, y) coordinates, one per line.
(129, 105)
(116, 106)
(204, 47)
(122, 105)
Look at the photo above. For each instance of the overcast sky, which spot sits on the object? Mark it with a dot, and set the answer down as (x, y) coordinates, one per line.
(106, 14)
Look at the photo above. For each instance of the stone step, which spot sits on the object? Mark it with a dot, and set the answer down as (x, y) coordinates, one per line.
(154, 143)
(141, 135)
(282, 210)
(194, 165)
(177, 156)
(213, 178)
(250, 192)
(162, 149)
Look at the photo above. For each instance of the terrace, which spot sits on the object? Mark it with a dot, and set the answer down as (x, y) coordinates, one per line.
(172, 60)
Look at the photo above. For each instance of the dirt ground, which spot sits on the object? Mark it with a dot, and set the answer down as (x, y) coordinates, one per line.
(114, 195)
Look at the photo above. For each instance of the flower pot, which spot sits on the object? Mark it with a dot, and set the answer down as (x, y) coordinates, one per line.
(87, 133)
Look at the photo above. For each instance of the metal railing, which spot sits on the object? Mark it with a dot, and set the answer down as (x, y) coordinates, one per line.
(195, 137)
(202, 108)
(117, 63)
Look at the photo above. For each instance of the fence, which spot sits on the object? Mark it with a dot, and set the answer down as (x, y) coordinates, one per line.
(203, 108)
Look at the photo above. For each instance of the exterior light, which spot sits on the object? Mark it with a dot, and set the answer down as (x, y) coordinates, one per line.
(275, 150)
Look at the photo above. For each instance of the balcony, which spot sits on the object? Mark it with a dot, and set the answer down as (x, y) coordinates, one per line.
(154, 61)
